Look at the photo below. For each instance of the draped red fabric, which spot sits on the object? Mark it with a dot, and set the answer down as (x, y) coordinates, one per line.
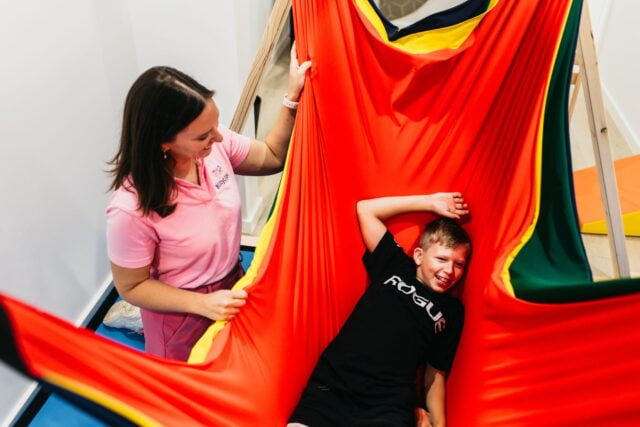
(377, 121)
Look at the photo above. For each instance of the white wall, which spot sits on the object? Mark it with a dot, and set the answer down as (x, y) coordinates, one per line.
(617, 37)
(65, 69)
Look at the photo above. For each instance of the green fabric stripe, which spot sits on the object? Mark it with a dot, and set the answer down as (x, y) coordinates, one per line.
(553, 266)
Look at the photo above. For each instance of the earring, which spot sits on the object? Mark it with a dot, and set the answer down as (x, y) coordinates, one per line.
(164, 155)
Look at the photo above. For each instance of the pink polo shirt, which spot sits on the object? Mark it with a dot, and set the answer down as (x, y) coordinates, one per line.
(199, 242)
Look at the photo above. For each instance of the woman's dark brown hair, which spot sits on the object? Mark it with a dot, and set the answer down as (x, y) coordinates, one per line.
(161, 103)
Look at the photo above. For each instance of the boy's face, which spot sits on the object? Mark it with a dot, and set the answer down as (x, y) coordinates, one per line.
(438, 267)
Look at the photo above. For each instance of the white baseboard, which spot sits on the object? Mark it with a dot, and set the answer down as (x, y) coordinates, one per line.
(22, 401)
(97, 299)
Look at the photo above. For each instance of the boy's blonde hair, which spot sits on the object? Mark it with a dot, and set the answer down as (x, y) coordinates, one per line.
(445, 231)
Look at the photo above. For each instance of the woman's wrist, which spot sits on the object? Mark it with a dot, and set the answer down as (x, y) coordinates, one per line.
(289, 104)
(194, 303)
(293, 95)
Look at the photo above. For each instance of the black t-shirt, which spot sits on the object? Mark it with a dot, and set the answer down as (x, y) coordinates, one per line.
(397, 326)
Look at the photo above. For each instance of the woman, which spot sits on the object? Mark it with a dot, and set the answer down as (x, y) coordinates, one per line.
(173, 220)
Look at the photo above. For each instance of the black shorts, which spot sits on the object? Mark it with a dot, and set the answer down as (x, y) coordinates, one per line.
(321, 406)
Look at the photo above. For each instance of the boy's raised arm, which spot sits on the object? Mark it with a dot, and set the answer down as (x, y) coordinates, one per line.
(373, 212)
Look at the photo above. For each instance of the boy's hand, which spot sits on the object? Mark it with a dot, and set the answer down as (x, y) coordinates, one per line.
(422, 418)
(450, 205)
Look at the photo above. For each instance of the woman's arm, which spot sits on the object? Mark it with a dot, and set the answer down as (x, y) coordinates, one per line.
(373, 212)
(135, 286)
(268, 156)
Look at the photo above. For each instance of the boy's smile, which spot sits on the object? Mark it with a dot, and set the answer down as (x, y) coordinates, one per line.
(439, 267)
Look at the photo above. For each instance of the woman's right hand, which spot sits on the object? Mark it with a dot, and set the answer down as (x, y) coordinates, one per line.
(223, 304)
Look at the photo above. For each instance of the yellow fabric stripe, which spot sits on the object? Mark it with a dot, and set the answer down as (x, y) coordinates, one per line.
(630, 221)
(201, 349)
(101, 398)
(506, 276)
(450, 37)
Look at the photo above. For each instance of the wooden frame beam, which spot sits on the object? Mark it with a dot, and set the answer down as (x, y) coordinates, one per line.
(276, 23)
(601, 145)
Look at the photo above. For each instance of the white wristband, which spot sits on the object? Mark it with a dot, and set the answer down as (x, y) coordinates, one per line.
(292, 105)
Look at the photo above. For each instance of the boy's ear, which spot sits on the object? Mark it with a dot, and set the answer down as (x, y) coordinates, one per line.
(417, 255)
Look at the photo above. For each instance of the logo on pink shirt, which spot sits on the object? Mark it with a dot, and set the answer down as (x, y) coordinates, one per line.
(217, 172)
(223, 181)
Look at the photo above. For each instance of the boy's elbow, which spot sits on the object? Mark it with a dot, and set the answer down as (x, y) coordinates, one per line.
(362, 207)
(361, 210)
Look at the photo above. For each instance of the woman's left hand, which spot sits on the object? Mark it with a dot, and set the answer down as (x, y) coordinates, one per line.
(296, 75)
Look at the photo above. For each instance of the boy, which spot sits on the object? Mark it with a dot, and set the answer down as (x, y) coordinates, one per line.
(367, 374)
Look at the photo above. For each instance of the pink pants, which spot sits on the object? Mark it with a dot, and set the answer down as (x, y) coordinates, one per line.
(173, 335)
